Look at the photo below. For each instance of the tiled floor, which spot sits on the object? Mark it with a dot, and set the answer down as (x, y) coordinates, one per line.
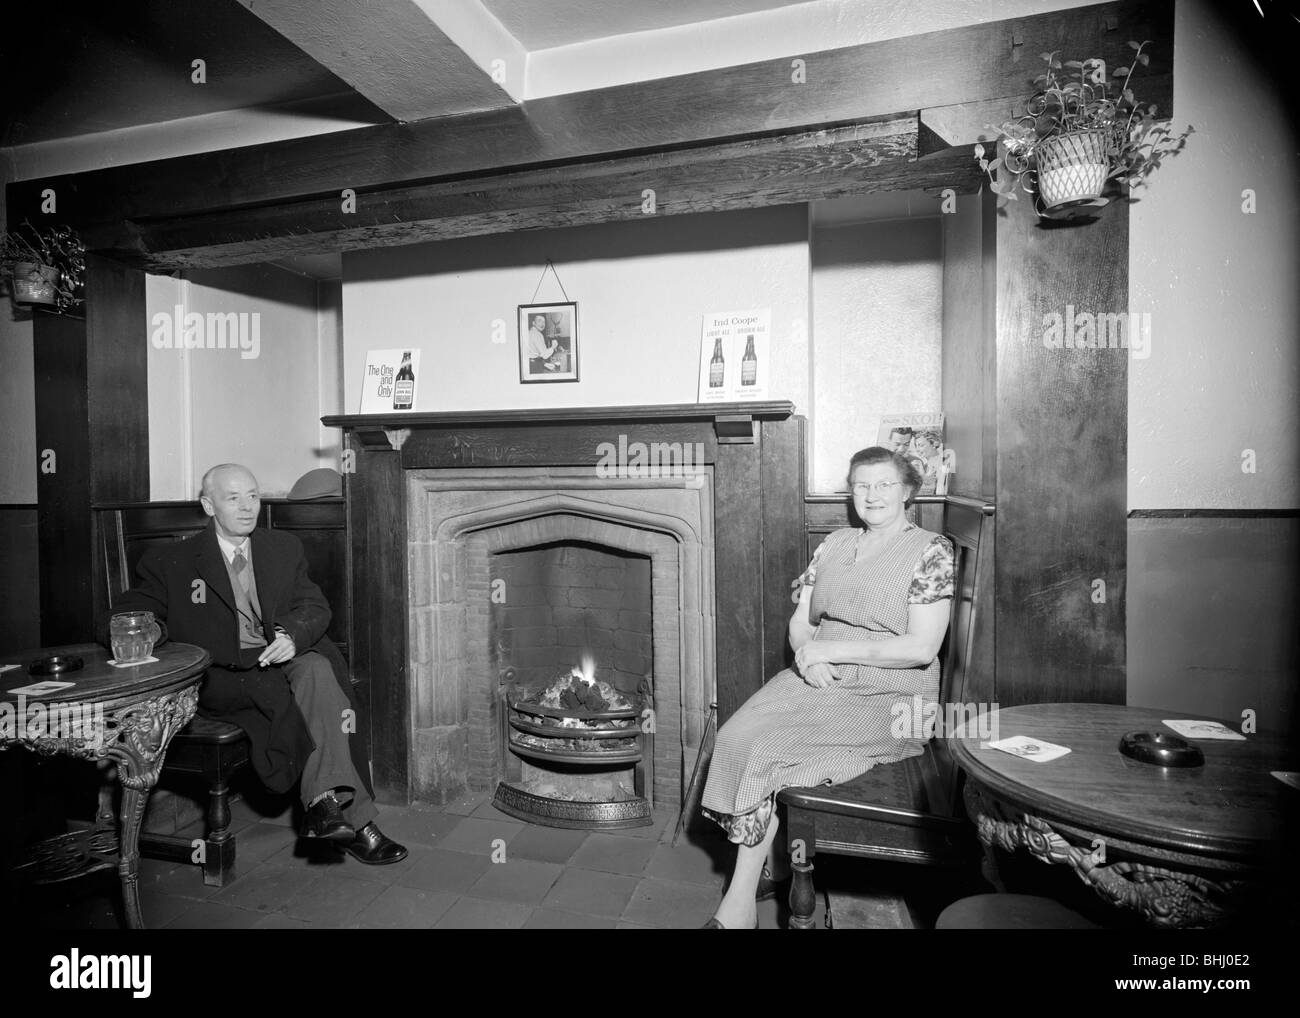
(470, 866)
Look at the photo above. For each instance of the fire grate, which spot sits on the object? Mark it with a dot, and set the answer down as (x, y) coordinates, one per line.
(577, 734)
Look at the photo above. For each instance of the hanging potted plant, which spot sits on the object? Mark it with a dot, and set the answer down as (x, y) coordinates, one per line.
(1081, 130)
(44, 268)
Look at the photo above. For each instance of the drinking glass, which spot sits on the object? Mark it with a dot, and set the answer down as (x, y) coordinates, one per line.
(133, 635)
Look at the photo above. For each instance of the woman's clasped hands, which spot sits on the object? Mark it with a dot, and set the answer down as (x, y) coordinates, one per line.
(814, 666)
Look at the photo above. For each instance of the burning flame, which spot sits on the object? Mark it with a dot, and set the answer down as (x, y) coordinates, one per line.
(585, 669)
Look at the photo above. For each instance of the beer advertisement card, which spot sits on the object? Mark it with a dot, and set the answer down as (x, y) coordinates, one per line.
(734, 355)
(390, 381)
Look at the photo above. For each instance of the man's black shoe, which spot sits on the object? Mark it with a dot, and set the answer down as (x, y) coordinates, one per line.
(371, 847)
(325, 820)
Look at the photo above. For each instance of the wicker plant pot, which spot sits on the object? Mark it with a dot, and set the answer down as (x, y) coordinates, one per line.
(34, 283)
(1073, 167)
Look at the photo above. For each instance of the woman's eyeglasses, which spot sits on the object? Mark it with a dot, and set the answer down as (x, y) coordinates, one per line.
(879, 488)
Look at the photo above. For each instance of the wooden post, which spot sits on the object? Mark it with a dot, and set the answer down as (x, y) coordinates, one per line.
(1061, 471)
(92, 437)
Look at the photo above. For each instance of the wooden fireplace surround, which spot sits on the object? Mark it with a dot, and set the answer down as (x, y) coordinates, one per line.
(756, 453)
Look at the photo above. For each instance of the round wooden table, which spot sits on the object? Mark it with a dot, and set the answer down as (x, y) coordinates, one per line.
(1186, 846)
(125, 715)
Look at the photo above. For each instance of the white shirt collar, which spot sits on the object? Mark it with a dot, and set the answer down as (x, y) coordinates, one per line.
(229, 548)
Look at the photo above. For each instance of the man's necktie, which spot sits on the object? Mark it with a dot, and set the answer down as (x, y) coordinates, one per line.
(240, 565)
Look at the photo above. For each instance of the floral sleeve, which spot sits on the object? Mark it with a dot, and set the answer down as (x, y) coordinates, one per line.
(933, 579)
(808, 577)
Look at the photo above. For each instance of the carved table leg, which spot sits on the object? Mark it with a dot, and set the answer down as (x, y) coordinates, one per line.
(141, 733)
(1165, 898)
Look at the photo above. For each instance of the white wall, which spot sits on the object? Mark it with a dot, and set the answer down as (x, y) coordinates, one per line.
(1221, 288)
(877, 292)
(641, 289)
(209, 406)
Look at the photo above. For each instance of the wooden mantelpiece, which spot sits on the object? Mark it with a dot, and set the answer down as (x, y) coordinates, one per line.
(732, 422)
(754, 450)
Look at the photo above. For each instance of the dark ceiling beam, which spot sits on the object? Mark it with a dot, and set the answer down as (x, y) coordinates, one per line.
(394, 55)
(784, 169)
(971, 65)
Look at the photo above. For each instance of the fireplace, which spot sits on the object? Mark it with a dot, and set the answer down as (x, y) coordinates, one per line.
(516, 576)
(486, 553)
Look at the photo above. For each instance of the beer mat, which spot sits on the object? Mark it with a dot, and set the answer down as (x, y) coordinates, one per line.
(1193, 729)
(1291, 778)
(42, 688)
(1031, 749)
(133, 664)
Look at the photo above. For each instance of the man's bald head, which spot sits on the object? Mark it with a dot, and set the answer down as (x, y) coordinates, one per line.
(223, 472)
(229, 494)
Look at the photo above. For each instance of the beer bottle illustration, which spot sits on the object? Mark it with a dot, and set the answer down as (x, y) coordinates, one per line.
(404, 387)
(716, 365)
(749, 364)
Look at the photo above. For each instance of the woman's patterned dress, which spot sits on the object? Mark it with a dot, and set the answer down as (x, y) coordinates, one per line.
(792, 734)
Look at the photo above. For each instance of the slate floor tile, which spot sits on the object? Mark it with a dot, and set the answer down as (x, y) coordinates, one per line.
(260, 841)
(415, 827)
(552, 919)
(479, 837)
(611, 853)
(520, 880)
(174, 878)
(212, 915)
(671, 904)
(477, 914)
(440, 870)
(407, 908)
(467, 803)
(546, 844)
(270, 887)
(591, 893)
(688, 862)
(334, 900)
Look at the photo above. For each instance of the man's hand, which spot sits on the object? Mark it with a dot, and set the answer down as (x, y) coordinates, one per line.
(280, 651)
(819, 676)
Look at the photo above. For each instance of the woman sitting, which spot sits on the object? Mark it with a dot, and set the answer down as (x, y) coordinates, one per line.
(873, 607)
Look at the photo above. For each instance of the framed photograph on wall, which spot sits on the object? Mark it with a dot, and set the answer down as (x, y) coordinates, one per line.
(548, 342)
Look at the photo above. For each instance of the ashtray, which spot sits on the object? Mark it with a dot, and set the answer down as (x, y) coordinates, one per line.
(1161, 749)
(55, 664)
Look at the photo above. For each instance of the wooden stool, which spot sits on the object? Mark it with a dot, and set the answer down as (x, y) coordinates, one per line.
(1010, 912)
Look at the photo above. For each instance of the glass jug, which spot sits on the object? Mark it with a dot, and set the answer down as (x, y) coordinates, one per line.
(133, 635)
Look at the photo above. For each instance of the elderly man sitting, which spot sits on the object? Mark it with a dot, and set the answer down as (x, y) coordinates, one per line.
(244, 596)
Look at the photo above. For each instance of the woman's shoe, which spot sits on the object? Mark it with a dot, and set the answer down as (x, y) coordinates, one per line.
(767, 887)
(713, 924)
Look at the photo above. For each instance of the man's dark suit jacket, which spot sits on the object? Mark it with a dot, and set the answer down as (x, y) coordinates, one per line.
(188, 589)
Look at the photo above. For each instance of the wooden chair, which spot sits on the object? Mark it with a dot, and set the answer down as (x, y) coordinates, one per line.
(908, 811)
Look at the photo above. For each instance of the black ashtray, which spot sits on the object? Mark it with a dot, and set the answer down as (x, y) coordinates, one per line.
(56, 664)
(1161, 749)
